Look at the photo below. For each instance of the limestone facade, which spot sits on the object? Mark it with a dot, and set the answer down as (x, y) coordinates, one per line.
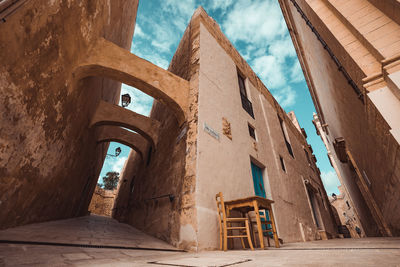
(102, 202)
(212, 122)
(347, 214)
(214, 151)
(49, 158)
(350, 55)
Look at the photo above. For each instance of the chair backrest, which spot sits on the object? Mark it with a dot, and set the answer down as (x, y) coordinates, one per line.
(263, 215)
(220, 206)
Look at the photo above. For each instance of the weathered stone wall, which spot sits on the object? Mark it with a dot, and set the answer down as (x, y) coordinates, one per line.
(49, 159)
(102, 201)
(346, 213)
(361, 51)
(224, 162)
(171, 168)
(184, 164)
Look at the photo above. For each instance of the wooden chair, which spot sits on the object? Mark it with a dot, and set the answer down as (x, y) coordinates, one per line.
(225, 225)
(267, 223)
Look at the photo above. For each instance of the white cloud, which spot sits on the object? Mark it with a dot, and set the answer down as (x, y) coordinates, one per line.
(282, 48)
(257, 21)
(331, 182)
(139, 32)
(220, 5)
(285, 96)
(118, 163)
(150, 54)
(185, 8)
(141, 103)
(181, 11)
(270, 71)
(296, 73)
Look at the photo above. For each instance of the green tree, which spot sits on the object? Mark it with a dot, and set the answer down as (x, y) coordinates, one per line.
(110, 181)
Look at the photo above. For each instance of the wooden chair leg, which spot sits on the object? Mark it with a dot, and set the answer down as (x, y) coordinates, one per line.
(225, 239)
(242, 241)
(220, 239)
(248, 235)
(255, 238)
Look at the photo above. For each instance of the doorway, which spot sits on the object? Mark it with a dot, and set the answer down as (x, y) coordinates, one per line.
(314, 207)
(258, 181)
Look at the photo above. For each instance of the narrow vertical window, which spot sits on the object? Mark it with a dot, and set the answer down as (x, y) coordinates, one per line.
(307, 156)
(242, 86)
(282, 163)
(246, 104)
(252, 131)
(286, 137)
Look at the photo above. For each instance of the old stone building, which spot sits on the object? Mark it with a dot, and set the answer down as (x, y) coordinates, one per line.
(347, 214)
(234, 128)
(350, 55)
(344, 197)
(102, 201)
(212, 127)
(51, 84)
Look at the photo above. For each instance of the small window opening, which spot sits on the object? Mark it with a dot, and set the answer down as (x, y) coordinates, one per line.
(348, 205)
(242, 86)
(246, 104)
(286, 137)
(282, 163)
(252, 131)
(307, 156)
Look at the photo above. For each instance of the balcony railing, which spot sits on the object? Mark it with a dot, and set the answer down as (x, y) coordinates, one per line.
(246, 104)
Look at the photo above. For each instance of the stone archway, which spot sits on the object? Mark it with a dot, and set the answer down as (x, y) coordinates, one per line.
(113, 115)
(109, 60)
(123, 136)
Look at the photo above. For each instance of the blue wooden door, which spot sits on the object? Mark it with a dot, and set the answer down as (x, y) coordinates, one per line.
(258, 180)
(259, 189)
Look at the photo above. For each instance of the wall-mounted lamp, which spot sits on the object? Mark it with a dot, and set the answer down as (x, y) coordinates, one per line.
(125, 100)
(118, 151)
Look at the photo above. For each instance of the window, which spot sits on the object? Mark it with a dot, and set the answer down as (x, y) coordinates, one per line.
(282, 163)
(242, 86)
(307, 156)
(348, 205)
(246, 104)
(286, 137)
(252, 131)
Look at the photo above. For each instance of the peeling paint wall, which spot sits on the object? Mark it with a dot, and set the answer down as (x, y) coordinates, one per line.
(49, 160)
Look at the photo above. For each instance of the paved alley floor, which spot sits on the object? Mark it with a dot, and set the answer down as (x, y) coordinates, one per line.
(101, 241)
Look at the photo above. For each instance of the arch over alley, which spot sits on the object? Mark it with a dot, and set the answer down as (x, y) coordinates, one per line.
(109, 114)
(117, 134)
(109, 60)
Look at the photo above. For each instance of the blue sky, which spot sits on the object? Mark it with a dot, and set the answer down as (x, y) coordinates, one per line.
(257, 30)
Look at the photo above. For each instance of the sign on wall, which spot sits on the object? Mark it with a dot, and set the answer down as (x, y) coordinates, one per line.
(211, 131)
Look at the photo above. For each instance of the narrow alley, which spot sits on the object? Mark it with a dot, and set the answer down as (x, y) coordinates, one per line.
(92, 241)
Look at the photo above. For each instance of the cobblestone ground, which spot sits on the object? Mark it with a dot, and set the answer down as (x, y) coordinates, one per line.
(60, 243)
